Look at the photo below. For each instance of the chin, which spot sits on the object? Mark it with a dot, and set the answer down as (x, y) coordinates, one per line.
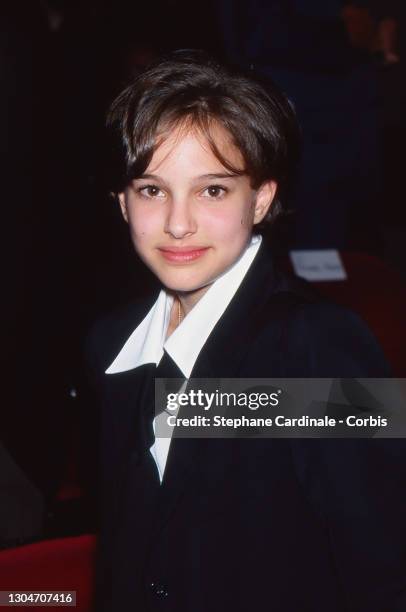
(183, 286)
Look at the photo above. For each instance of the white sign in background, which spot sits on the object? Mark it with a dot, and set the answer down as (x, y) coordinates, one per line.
(318, 265)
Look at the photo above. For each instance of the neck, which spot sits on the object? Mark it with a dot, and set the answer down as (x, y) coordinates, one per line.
(189, 299)
(182, 305)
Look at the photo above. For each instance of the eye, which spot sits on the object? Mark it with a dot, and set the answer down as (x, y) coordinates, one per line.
(151, 191)
(214, 192)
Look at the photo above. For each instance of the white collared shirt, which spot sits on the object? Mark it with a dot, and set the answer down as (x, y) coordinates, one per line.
(147, 342)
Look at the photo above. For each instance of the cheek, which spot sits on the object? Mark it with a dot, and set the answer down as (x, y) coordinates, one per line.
(143, 224)
(230, 222)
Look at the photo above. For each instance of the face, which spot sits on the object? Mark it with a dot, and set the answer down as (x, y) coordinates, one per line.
(190, 219)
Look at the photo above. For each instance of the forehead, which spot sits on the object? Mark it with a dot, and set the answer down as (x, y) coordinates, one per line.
(192, 148)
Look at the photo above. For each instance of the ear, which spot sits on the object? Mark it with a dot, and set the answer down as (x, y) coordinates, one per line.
(123, 205)
(263, 200)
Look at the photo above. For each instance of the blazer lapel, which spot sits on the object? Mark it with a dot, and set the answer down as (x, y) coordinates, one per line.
(131, 396)
(229, 340)
(181, 468)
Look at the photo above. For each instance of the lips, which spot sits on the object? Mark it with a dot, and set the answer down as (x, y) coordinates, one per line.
(182, 254)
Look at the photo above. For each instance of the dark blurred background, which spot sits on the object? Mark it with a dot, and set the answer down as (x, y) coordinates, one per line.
(67, 257)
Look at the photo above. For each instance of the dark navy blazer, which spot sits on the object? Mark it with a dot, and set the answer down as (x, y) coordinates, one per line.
(250, 524)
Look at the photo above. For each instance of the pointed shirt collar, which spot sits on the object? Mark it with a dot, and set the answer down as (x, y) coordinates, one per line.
(147, 342)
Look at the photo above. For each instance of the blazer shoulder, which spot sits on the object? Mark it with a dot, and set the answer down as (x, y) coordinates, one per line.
(317, 338)
(338, 342)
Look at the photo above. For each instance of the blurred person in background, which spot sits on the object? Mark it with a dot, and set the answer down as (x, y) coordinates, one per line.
(321, 53)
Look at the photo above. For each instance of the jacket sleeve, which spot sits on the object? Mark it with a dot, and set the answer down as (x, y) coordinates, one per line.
(358, 489)
(92, 458)
(358, 486)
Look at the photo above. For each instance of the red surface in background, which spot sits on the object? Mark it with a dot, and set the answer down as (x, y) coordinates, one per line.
(378, 294)
(65, 564)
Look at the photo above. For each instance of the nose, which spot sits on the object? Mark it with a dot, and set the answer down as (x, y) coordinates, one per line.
(180, 221)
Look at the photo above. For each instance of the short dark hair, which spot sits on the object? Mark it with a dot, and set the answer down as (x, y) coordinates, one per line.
(189, 86)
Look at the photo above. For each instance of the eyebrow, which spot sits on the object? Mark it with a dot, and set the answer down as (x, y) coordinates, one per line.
(221, 175)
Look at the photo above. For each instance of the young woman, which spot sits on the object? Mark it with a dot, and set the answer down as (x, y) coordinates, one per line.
(207, 525)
